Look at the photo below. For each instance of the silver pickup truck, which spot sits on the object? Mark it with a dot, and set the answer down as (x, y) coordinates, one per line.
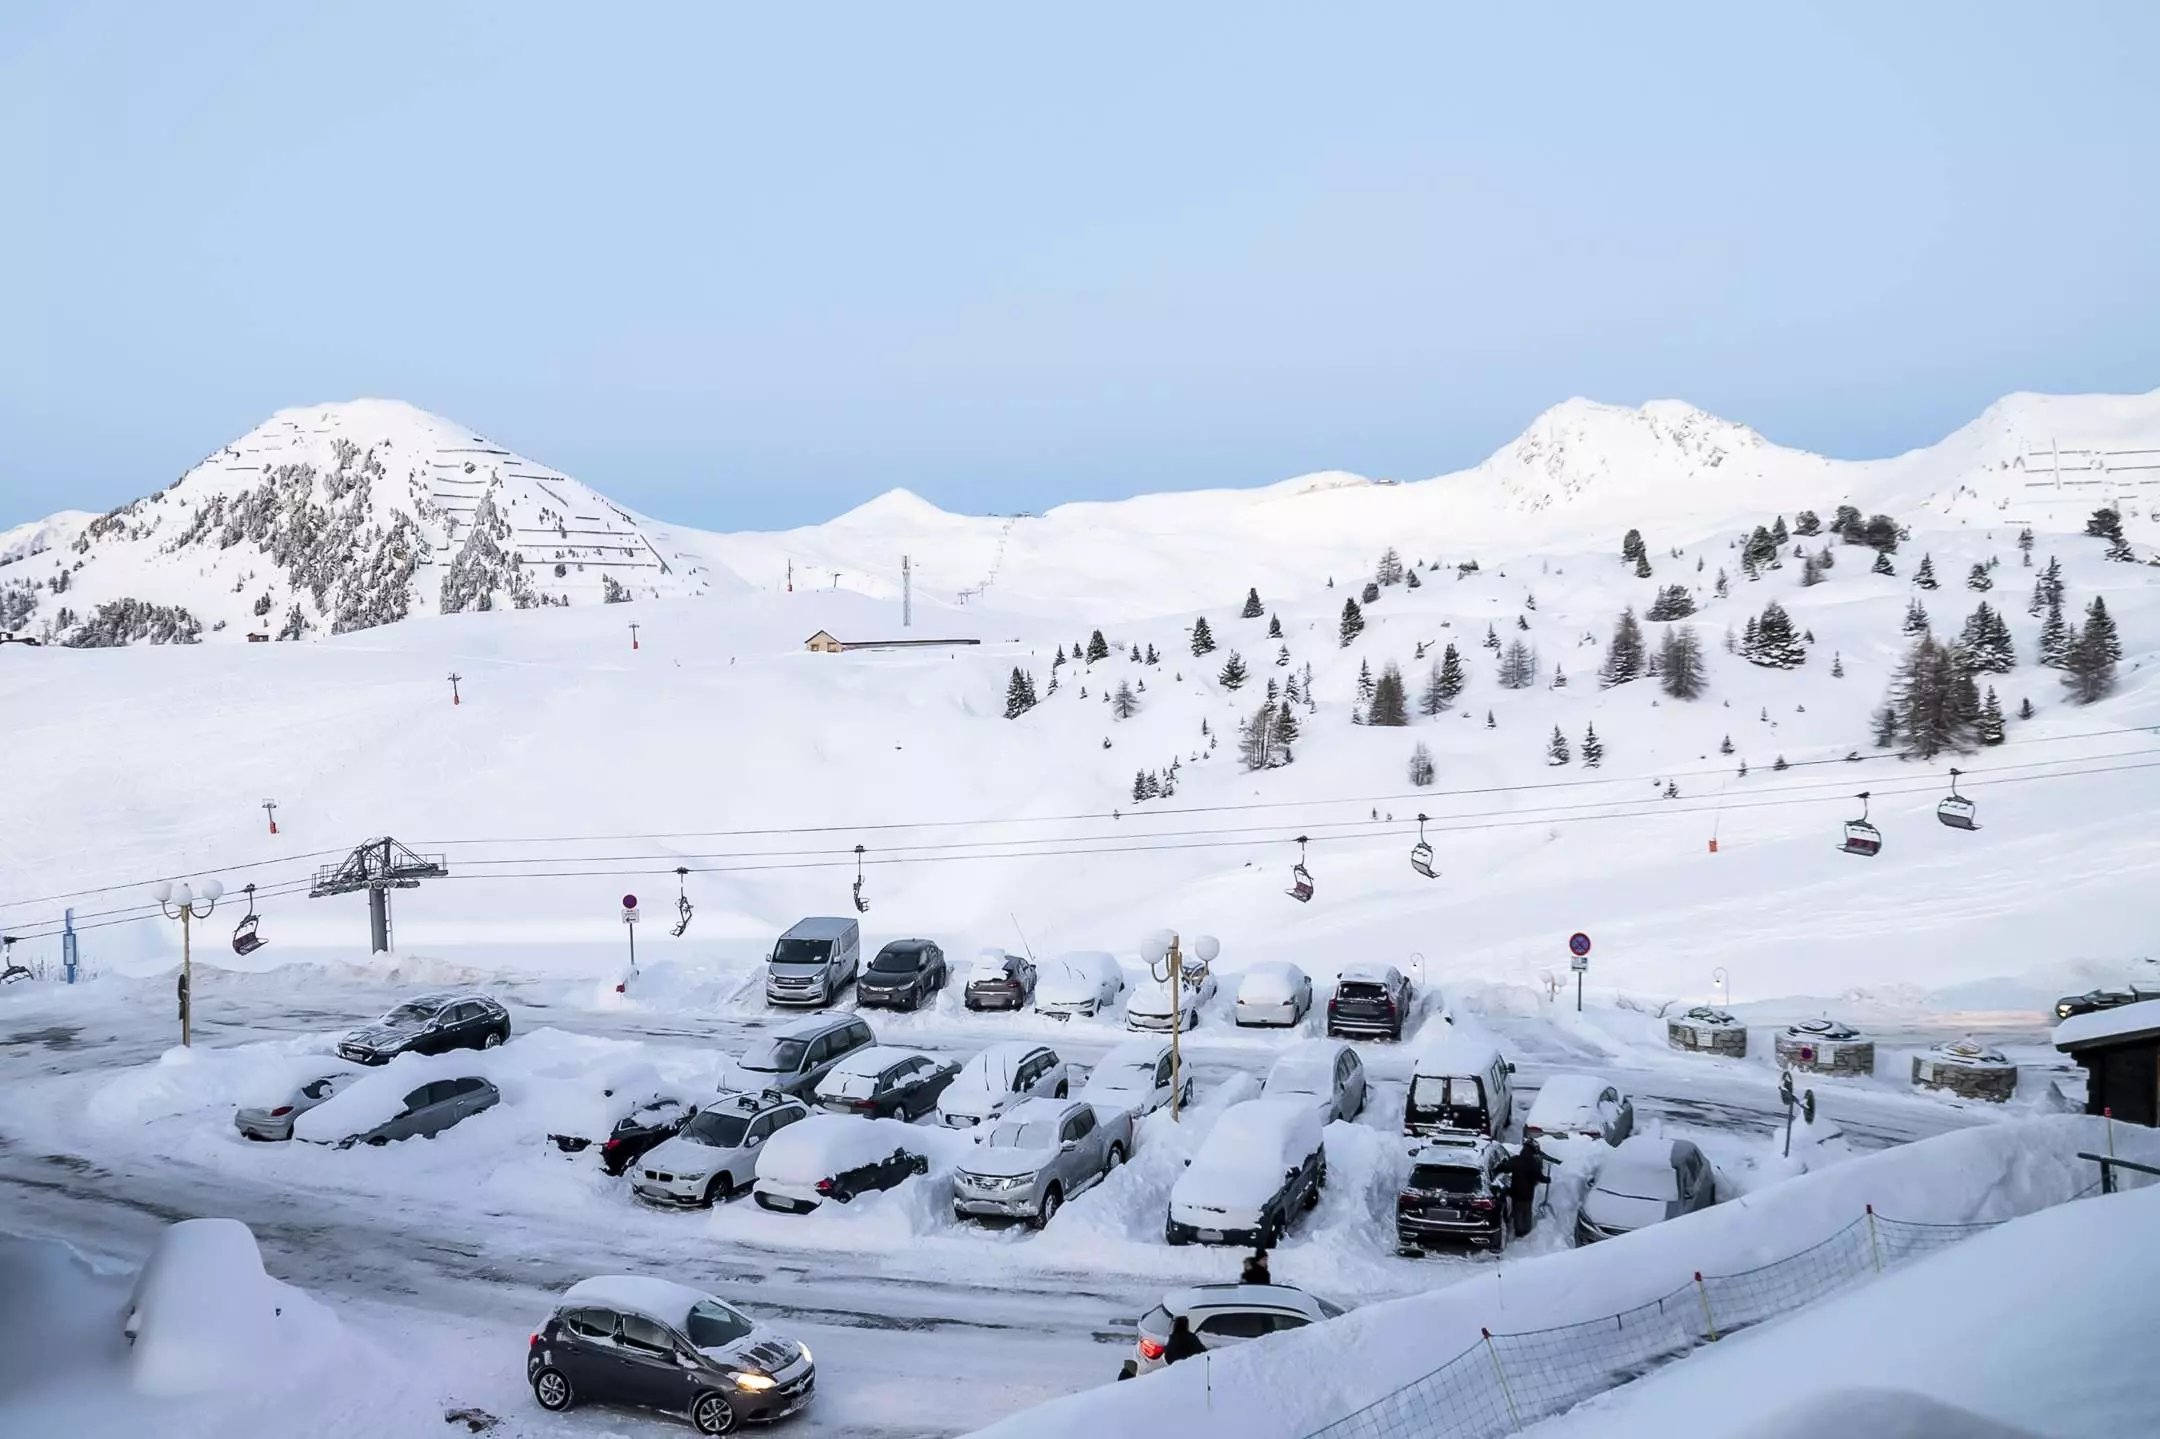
(1039, 1154)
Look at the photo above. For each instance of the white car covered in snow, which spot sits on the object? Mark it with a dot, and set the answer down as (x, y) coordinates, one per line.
(1151, 1007)
(1135, 1077)
(204, 1316)
(1083, 982)
(1325, 1073)
(1259, 1167)
(1274, 993)
(831, 1156)
(1580, 1105)
(1000, 1077)
(1646, 1181)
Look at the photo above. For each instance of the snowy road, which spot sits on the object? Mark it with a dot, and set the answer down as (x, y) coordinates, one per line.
(913, 1340)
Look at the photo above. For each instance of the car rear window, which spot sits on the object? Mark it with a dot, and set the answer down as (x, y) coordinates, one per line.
(1447, 1178)
(1361, 989)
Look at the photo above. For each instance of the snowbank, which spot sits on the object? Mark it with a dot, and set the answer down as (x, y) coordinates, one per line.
(1294, 1383)
(205, 1316)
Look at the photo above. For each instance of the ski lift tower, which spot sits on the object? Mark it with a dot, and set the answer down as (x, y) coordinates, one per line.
(378, 867)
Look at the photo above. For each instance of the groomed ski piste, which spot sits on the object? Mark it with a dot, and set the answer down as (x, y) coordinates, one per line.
(582, 760)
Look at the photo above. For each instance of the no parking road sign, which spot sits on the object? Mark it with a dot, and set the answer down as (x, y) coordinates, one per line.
(1579, 946)
(629, 909)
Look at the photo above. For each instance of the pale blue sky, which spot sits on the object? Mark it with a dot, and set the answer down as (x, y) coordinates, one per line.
(745, 269)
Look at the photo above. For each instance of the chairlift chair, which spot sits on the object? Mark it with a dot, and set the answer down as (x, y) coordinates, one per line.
(245, 940)
(1301, 885)
(682, 903)
(862, 906)
(1421, 855)
(1956, 810)
(1862, 838)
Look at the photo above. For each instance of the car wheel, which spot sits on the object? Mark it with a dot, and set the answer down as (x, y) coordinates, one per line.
(1051, 1200)
(841, 1194)
(720, 1190)
(1117, 1157)
(494, 1037)
(552, 1388)
(712, 1414)
(1061, 1089)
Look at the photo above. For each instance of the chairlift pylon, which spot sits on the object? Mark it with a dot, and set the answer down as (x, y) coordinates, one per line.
(1862, 838)
(1301, 885)
(682, 902)
(244, 938)
(1956, 810)
(862, 906)
(1421, 856)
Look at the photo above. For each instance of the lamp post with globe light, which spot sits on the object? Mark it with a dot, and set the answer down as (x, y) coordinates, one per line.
(187, 905)
(1166, 962)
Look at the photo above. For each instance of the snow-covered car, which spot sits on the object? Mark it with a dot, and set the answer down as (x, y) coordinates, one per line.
(430, 1109)
(1325, 1073)
(1371, 999)
(203, 1315)
(275, 1122)
(1085, 981)
(1040, 1154)
(656, 1344)
(1457, 1193)
(1259, 1167)
(1647, 1180)
(715, 1155)
(1571, 1105)
(794, 1057)
(828, 1156)
(429, 1024)
(643, 1122)
(1000, 1077)
(999, 981)
(1135, 1077)
(1274, 993)
(1151, 1008)
(886, 1082)
(1222, 1315)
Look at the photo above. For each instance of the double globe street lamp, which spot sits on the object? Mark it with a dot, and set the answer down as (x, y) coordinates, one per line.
(179, 901)
(1166, 961)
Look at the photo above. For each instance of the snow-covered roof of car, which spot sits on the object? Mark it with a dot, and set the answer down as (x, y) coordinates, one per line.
(1309, 1064)
(876, 1058)
(2121, 1022)
(1270, 979)
(1569, 1091)
(810, 1026)
(1040, 1108)
(825, 1144)
(1087, 959)
(1455, 1053)
(661, 1299)
(1467, 1151)
(1640, 1154)
(993, 1068)
(1134, 1054)
(1077, 975)
(1260, 1132)
(1368, 973)
(1233, 1296)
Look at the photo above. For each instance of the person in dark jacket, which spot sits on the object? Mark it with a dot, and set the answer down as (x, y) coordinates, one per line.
(1526, 1171)
(1256, 1269)
(1184, 1344)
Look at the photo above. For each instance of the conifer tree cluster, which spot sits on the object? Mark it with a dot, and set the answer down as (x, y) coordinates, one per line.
(1807, 522)
(1421, 765)
(1353, 624)
(1020, 694)
(1265, 740)
(1933, 704)
(1147, 784)
(1673, 602)
(1518, 666)
(1984, 646)
(1624, 657)
(1389, 704)
(1443, 684)
(1233, 674)
(1681, 670)
(1770, 641)
(1632, 548)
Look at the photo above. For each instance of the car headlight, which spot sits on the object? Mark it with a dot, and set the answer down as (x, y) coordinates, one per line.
(805, 1350)
(752, 1380)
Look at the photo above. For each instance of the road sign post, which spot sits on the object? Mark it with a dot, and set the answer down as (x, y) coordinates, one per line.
(630, 919)
(1578, 960)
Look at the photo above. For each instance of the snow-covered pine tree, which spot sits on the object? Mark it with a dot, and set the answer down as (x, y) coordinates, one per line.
(1778, 531)
(1098, 648)
(1051, 688)
(1283, 733)
(1725, 745)
(1282, 656)
(1682, 673)
(1252, 605)
(1154, 786)
(1810, 573)
(1518, 667)
(1256, 738)
(2105, 524)
(1979, 579)
(1632, 548)
(1291, 692)
(1421, 765)
(1364, 682)
(1139, 786)
(2025, 708)
(1642, 568)
(1916, 618)
(1837, 666)
(1491, 640)
(1985, 646)
(2055, 636)
(1152, 657)
(1203, 639)
(1135, 655)
(1807, 522)
(1924, 577)
(1723, 586)
(1411, 581)
(1884, 723)
(1990, 728)
(2025, 542)
(1624, 656)
(1781, 766)
(1389, 704)
(1431, 699)
(1390, 569)
(1673, 602)
(2100, 627)
(1452, 678)
(1489, 720)
(1019, 693)
(1353, 624)
(1926, 700)
(1556, 748)
(1882, 565)
(1233, 672)
(1274, 690)
(1124, 704)
(1274, 627)
(2048, 588)
(1593, 748)
(1371, 593)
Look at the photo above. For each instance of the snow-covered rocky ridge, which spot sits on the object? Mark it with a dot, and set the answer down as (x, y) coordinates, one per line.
(328, 519)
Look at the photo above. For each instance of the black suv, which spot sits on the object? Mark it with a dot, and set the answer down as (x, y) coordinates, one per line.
(1369, 999)
(2093, 1000)
(904, 974)
(1456, 1194)
(657, 1344)
(429, 1024)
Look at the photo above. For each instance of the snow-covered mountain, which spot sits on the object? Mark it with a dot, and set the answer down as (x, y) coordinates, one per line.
(328, 519)
(339, 517)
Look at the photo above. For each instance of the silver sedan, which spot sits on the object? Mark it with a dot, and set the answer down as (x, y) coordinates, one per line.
(276, 1122)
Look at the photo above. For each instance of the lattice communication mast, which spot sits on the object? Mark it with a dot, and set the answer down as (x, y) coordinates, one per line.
(378, 867)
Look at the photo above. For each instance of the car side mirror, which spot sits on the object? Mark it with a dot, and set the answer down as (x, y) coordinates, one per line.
(688, 1361)
(1511, 1066)
(1067, 1146)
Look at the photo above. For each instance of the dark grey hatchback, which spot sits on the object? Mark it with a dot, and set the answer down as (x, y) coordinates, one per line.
(903, 975)
(656, 1344)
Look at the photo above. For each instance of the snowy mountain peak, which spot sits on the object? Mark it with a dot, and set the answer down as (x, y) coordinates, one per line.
(1577, 449)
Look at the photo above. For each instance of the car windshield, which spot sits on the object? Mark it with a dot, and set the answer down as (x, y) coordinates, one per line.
(1292, 1077)
(720, 1130)
(412, 1012)
(1125, 1076)
(1038, 1134)
(1641, 1181)
(1445, 1178)
(802, 951)
(775, 1056)
(715, 1326)
(1361, 989)
(897, 961)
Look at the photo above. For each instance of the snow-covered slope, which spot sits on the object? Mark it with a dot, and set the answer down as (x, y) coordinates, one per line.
(333, 518)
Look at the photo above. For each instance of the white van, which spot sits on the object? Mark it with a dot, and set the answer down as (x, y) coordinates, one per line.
(1460, 1083)
(813, 962)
